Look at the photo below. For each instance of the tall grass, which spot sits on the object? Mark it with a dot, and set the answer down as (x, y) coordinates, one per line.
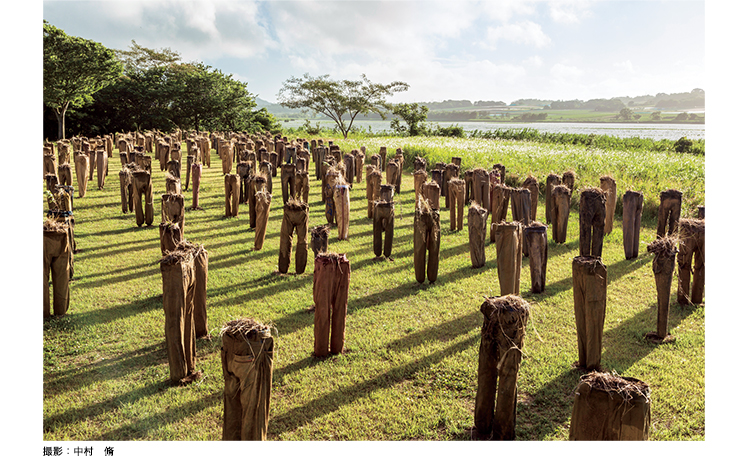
(647, 171)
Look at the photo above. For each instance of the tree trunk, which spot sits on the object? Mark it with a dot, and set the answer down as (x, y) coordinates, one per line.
(60, 114)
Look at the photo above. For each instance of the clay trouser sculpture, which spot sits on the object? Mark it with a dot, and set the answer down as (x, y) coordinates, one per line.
(247, 353)
(610, 408)
(482, 188)
(92, 164)
(173, 168)
(431, 195)
(319, 239)
(391, 173)
(200, 298)
(520, 203)
(469, 179)
(426, 239)
(173, 211)
(383, 156)
(101, 168)
(262, 210)
(331, 178)
(590, 306)
(477, 234)
(664, 250)
(500, 200)
(178, 288)
(569, 179)
(57, 257)
(51, 181)
(341, 198)
(295, 219)
(231, 195)
(436, 176)
(509, 249)
(197, 171)
(560, 212)
(669, 212)
(64, 174)
(189, 170)
(456, 203)
(502, 336)
(170, 235)
(302, 186)
(632, 208)
(691, 249)
(533, 186)
(359, 162)
(553, 180)
(400, 160)
(287, 181)
(266, 170)
(350, 168)
(608, 184)
(126, 190)
(82, 166)
(383, 223)
(143, 198)
(373, 179)
(330, 294)
(593, 208)
(450, 172)
(420, 177)
(535, 236)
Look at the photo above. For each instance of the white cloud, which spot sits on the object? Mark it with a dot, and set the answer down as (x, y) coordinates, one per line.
(569, 12)
(368, 30)
(524, 33)
(533, 61)
(566, 72)
(627, 66)
(505, 10)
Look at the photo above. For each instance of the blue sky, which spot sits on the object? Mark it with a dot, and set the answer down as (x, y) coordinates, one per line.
(460, 49)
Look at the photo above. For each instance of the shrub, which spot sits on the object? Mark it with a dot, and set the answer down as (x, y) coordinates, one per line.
(683, 145)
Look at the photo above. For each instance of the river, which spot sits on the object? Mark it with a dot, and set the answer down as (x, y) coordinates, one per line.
(671, 131)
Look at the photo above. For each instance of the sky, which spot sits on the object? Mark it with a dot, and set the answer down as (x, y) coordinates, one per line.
(458, 49)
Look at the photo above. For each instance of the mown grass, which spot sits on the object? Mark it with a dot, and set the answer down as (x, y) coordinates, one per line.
(408, 371)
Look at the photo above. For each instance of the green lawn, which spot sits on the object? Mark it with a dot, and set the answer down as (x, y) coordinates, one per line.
(409, 367)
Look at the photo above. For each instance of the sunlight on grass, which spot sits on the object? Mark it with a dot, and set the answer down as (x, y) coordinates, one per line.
(409, 365)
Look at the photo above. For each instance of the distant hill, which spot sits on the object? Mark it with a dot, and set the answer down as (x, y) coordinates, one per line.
(278, 110)
(450, 109)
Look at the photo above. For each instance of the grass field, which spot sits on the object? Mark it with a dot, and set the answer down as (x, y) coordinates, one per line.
(408, 371)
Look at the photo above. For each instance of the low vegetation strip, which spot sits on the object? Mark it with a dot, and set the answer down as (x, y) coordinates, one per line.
(409, 366)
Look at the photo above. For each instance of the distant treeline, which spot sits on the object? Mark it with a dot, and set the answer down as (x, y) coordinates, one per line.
(694, 99)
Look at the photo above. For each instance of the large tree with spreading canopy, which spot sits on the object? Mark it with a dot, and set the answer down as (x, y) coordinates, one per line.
(339, 100)
(74, 69)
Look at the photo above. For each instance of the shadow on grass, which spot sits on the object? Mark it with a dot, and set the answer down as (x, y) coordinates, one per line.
(118, 312)
(66, 381)
(544, 411)
(626, 344)
(332, 401)
(148, 269)
(614, 271)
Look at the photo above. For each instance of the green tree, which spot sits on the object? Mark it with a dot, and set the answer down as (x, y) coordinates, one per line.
(683, 145)
(140, 58)
(656, 116)
(681, 116)
(339, 100)
(414, 115)
(74, 69)
(626, 113)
